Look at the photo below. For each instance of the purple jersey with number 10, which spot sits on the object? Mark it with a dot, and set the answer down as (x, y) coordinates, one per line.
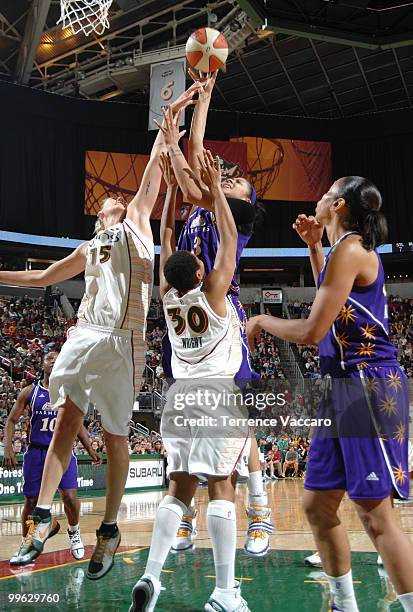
(42, 418)
(42, 424)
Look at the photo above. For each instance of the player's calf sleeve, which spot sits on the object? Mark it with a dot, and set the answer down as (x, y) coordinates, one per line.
(407, 601)
(168, 518)
(222, 529)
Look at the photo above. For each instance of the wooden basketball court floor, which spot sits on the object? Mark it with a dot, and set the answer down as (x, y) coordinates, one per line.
(280, 581)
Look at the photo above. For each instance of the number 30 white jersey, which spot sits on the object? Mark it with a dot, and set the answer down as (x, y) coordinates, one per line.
(118, 276)
(203, 343)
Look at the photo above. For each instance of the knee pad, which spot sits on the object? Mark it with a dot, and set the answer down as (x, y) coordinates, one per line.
(173, 504)
(222, 508)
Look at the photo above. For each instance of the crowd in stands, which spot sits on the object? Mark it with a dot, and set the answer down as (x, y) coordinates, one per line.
(266, 359)
(30, 328)
(139, 444)
(401, 330)
(283, 456)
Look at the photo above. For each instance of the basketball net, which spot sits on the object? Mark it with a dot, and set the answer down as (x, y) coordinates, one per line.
(85, 16)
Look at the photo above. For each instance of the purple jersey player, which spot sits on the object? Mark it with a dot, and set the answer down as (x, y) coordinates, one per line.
(365, 452)
(35, 398)
(200, 237)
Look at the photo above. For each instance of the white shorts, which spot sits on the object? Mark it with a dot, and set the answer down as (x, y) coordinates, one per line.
(198, 447)
(96, 365)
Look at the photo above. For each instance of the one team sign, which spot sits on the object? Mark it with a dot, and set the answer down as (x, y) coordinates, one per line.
(144, 474)
(272, 296)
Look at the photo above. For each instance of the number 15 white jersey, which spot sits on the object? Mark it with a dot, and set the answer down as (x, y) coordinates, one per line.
(203, 343)
(118, 276)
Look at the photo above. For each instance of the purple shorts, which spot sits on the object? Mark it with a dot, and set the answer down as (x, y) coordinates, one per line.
(367, 453)
(33, 464)
(356, 465)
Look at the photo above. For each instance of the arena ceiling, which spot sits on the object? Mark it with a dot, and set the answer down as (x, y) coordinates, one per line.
(313, 58)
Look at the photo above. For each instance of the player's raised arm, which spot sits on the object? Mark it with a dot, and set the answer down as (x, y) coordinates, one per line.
(218, 280)
(311, 232)
(344, 266)
(199, 119)
(167, 220)
(188, 180)
(140, 208)
(66, 268)
(16, 412)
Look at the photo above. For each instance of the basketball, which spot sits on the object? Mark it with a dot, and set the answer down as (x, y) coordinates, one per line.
(206, 50)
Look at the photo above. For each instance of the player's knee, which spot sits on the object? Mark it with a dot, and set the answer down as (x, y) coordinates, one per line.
(319, 514)
(114, 442)
(68, 423)
(374, 525)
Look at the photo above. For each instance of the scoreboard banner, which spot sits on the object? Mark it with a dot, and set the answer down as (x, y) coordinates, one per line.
(145, 472)
(272, 296)
(167, 84)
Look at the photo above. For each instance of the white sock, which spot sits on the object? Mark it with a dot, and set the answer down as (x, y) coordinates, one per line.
(222, 529)
(44, 506)
(168, 518)
(258, 500)
(342, 591)
(73, 527)
(407, 601)
(255, 485)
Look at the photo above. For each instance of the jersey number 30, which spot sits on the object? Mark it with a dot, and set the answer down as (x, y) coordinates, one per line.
(196, 318)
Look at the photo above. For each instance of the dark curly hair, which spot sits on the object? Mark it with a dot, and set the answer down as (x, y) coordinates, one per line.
(180, 270)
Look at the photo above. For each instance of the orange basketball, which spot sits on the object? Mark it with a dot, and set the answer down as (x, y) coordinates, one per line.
(206, 50)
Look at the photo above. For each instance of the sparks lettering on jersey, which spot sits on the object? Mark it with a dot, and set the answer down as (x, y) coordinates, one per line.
(109, 236)
(191, 343)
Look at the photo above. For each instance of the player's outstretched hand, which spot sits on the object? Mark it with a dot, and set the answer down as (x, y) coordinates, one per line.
(170, 126)
(309, 229)
(187, 98)
(253, 330)
(167, 170)
(210, 171)
(9, 458)
(206, 79)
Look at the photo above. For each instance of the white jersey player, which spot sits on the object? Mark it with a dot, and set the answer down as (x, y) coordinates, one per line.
(206, 354)
(204, 344)
(103, 358)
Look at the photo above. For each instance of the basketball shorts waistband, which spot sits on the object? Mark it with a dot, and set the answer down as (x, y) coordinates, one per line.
(110, 331)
